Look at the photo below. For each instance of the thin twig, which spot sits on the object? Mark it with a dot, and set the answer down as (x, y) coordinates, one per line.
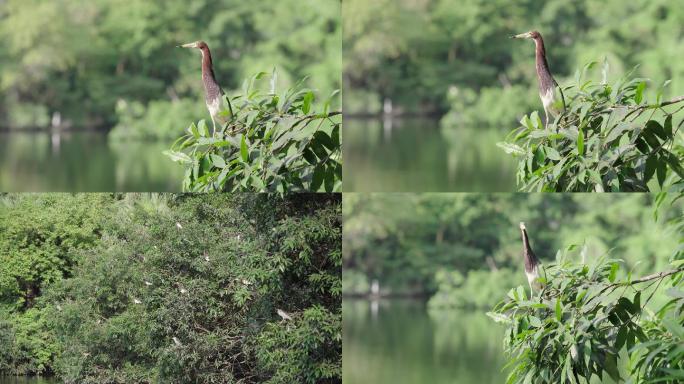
(658, 275)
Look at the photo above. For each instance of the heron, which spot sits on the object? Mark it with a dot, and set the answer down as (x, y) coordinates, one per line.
(532, 263)
(213, 94)
(548, 87)
(284, 315)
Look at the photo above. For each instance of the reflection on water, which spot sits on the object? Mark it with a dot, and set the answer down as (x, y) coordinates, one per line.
(417, 155)
(84, 161)
(399, 342)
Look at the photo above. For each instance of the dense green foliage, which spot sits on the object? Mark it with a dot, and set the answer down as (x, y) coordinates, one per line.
(115, 62)
(39, 239)
(271, 142)
(577, 326)
(610, 138)
(466, 250)
(455, 56)
(589, 321)
(175, 288)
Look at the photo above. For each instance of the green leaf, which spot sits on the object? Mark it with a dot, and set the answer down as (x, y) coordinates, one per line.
(613, 271)
(213, 141)
(202, 128)
(306, 102)
(218, 161)
(658, 130)
(329, 182)
(499, 318)
(559, 310)
(193, 130)
(335, 136)
(674, 162)
(661, 171)
(324, 139)
(621, 337)
(318, 149)
(638, 95)
(580, 142)
(535, 322)
(667, 127)
(611, 366)
(552, 154)
(310, 156)
(650, 168)
(178, 156)
(511, 148)
(243, 150)
(317, 178)
(526, 122)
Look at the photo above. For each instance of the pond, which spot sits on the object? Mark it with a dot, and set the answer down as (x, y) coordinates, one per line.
(400, 342)
(84, 161)
(417, 155)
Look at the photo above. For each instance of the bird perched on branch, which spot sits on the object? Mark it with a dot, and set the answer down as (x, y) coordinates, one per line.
(213, 94)
(283, 315)
(549, 91)
(176, 341)
(532, 263)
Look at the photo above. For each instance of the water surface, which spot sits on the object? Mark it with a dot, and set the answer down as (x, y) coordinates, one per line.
(399, 342)
(84, 161)
(416, 155)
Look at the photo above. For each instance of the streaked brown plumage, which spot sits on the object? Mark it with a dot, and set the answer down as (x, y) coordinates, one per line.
(532, 263)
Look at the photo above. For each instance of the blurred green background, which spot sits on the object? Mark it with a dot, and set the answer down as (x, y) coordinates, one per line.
(452, 62)
(440, 261)
(91, 92)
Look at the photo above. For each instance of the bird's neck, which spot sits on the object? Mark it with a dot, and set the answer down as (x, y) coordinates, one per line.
(531, 260)
(544, 76)
(211, 87)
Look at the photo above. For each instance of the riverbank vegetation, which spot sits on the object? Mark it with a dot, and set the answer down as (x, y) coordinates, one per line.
(464, 251)
(114, 63)
(171, 288)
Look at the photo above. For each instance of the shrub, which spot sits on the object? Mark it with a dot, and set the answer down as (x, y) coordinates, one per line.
(190, 293)
(586, 321)
(271, 142)
(609, 139)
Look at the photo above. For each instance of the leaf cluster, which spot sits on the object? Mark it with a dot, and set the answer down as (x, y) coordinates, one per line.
(587, 323)
(608, 139)
(270, 142)
(186, 288)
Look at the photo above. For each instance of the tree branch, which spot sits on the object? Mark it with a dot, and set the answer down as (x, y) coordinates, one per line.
(658, 275)
(672, 101)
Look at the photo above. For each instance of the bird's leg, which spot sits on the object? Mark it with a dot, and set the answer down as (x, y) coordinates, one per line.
(546, 122)
(213, 132)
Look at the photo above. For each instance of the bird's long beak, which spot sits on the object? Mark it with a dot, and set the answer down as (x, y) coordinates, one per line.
(525, 35)
(188, 45)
